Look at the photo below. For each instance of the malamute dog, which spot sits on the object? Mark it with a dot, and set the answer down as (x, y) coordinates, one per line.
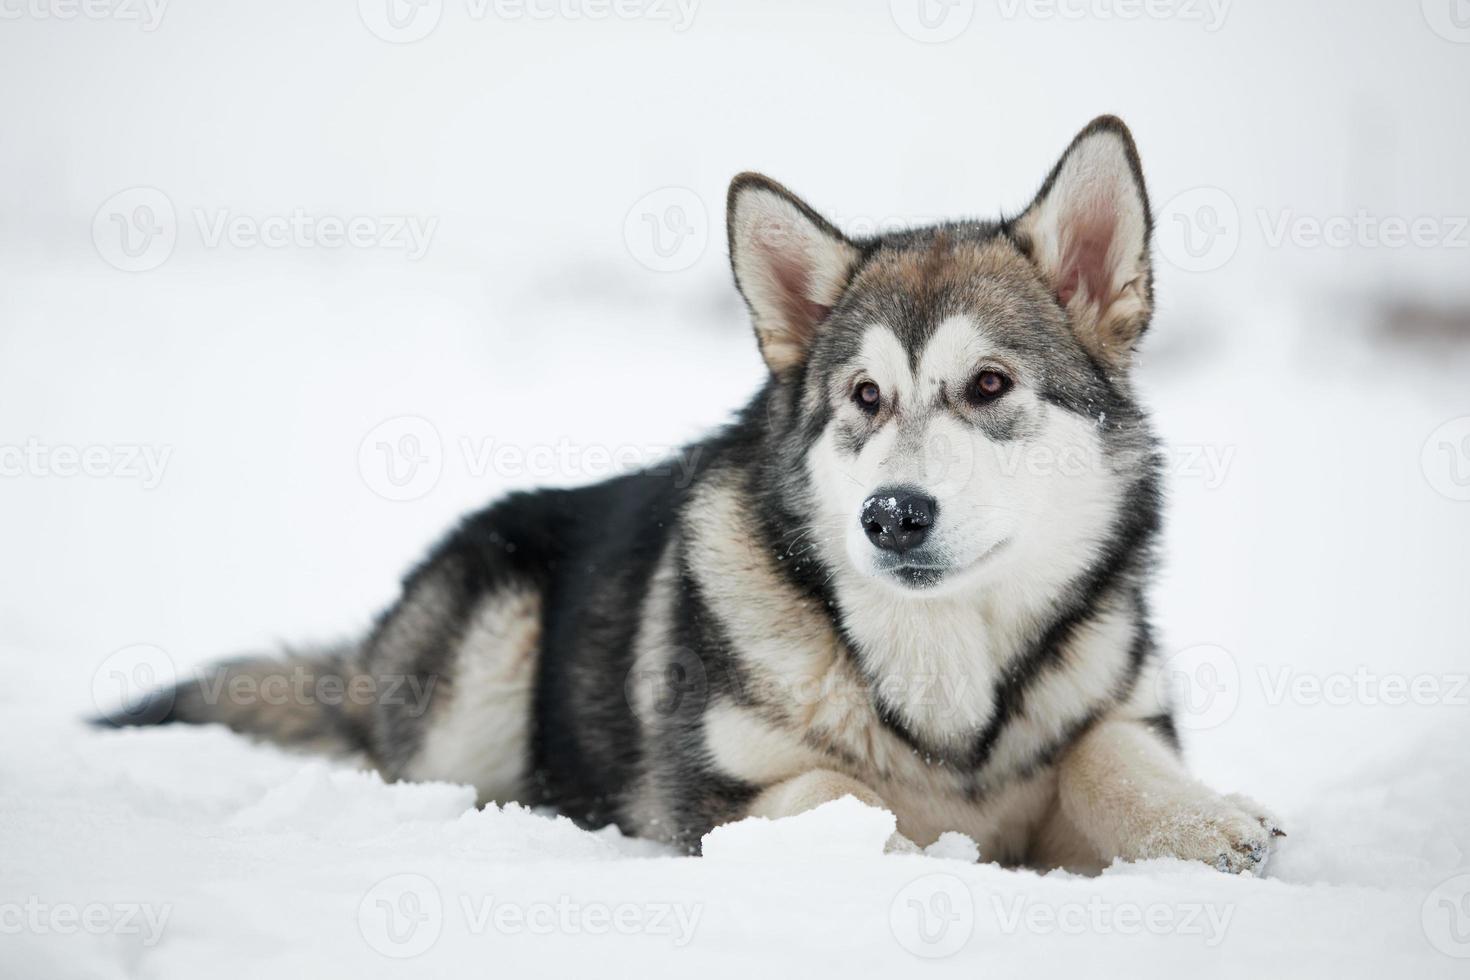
(913, 570)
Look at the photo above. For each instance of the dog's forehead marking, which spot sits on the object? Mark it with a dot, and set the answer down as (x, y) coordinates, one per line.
(883, 354)
(951, 352)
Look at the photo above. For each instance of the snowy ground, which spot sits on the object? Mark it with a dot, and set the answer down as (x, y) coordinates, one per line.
(1314, 588)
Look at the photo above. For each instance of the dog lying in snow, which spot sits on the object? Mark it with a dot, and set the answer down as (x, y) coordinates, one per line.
(912, 571)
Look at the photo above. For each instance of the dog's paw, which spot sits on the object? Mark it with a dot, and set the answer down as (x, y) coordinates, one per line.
(1268, 819)
(1233, 833)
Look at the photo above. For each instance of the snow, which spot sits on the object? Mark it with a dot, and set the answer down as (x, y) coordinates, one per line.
(1313, 588)
(292, 865)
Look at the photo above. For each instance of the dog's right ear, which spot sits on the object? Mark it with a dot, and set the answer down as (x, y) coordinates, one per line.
(790, 264)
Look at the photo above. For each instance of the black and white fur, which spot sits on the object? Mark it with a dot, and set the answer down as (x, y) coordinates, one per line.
(669, 655)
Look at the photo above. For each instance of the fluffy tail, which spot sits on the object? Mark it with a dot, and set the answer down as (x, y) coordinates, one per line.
(318, 701)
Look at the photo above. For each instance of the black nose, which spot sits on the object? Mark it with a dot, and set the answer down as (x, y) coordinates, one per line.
(898, 519)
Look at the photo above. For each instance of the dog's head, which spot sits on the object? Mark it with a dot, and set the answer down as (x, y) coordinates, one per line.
(957, 396)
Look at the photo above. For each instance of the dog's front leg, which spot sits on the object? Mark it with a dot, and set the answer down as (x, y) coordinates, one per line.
(810, 790)
(1126, 792)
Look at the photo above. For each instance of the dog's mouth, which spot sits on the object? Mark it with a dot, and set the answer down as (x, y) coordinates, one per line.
(919, 572)
(919, 576)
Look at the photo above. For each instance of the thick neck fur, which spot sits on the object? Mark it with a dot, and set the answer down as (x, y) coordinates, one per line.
(935, 662)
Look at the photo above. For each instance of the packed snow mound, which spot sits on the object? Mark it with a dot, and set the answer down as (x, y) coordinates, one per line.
(844, 828)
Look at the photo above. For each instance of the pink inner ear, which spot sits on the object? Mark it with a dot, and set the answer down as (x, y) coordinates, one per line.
(792, 280)
(1087, 238)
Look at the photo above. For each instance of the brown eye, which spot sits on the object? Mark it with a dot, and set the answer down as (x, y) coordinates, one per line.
(988, 386)
(867, 397)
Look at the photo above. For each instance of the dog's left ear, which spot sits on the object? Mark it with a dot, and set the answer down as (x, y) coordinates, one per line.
(1088, 232)
(790, 263)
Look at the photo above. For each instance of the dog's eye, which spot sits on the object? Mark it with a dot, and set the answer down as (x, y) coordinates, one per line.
(988, 386)
(867, 396)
